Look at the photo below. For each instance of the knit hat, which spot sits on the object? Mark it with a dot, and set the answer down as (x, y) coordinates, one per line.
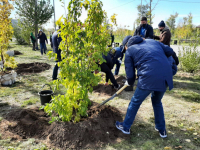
(143, 19)
(161, 24)
(41, 30)
(125, 41)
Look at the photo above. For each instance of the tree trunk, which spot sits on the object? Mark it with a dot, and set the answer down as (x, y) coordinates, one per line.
(36, 26)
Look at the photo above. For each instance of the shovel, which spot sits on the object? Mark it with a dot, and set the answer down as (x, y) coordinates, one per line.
(118, 92)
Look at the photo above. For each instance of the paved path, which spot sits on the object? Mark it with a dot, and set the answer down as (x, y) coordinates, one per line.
(177, 47)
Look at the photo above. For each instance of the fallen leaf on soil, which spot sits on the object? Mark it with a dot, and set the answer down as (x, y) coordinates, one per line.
(194, 133)
(167, 148)
(183, 129)
(179, 147)
(190, 128)
(195, 138)
(187, 140)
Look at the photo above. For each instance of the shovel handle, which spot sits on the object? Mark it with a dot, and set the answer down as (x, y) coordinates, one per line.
(120, 90)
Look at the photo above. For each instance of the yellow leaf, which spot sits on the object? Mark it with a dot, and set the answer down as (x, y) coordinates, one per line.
(194, 133)
(188, 140)
(167, 148)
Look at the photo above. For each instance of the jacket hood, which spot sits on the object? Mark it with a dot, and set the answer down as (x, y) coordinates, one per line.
(125, 40)
(165, 29)
(134, 40)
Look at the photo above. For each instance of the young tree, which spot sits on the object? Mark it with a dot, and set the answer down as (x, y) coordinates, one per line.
(34, 13)
(171, 22)
(5, 34)
(82, 46)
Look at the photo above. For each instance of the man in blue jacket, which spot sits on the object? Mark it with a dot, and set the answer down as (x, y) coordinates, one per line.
(56, 42)
(144, 30)
(154, 73)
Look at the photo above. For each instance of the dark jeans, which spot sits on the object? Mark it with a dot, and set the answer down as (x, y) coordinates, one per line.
(109, 74)
(137, 99)
(43, 46)
(33, 45)
(118, 64)
(55, 69)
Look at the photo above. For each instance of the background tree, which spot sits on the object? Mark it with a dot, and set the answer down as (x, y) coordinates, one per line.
(171, 22)
(5, 34)
(33, 13)
(143, 11)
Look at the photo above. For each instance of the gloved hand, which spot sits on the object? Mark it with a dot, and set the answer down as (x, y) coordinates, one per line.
(126, 83)
(120, 61)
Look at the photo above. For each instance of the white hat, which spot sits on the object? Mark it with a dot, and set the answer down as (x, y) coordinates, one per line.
(41, 30)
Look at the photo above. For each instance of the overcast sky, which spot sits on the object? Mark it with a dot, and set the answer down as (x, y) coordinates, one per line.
(126, 10)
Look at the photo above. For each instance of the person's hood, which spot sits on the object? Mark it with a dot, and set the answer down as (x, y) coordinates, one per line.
(165, 29)
(125, 41)
(134, 40)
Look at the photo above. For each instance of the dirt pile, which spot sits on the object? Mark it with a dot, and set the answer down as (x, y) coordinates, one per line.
(92, 132)
(108, 89)
(36, 67)
(17, 53)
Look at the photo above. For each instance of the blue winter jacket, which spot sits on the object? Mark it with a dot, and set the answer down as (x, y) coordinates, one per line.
(172, 62)
(56, 42)
(118, 54)
(149, 58)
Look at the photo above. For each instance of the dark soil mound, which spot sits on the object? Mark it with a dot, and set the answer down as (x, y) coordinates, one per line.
(92, 132)
(17, 53)
(26, 68)
(31, 123)
(108, 89)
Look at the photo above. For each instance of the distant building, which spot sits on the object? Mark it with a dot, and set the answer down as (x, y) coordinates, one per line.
(198, 26)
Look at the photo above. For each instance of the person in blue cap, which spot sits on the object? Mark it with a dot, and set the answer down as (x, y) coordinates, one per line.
(154, 73)
(117, 54)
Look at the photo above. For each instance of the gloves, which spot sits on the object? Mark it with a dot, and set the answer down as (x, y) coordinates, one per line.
(120, 61)
(126, 83)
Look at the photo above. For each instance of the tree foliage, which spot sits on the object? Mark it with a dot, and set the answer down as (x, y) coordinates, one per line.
(82, 46)
(171, 22)
(6, 33)
(186, 29)
(25, 9)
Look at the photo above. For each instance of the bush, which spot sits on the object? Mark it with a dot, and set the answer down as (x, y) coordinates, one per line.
(190, 57)
(17, 34)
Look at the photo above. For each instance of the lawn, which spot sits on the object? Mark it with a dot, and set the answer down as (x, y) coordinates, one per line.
(181, 106)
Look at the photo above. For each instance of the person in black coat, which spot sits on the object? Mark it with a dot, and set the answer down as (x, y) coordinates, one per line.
(42, 36)
(144, 30)
(106, 67)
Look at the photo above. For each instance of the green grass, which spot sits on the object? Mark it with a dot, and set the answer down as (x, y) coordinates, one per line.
(181, 105)
(31, 101)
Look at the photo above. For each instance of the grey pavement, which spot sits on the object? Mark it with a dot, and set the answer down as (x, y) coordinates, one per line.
(177, 47)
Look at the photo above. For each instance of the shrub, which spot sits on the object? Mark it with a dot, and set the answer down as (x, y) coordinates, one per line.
(17, 34)
(190, 57)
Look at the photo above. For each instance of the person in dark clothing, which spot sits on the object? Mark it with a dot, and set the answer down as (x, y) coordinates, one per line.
(51, 40)
(56, 42)
(42, 36)
(106, 67)
(33, 40)
(112, 37)
(165, 34)
(154, 73)
(117, 54)
(144, 30)
(165, 38)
